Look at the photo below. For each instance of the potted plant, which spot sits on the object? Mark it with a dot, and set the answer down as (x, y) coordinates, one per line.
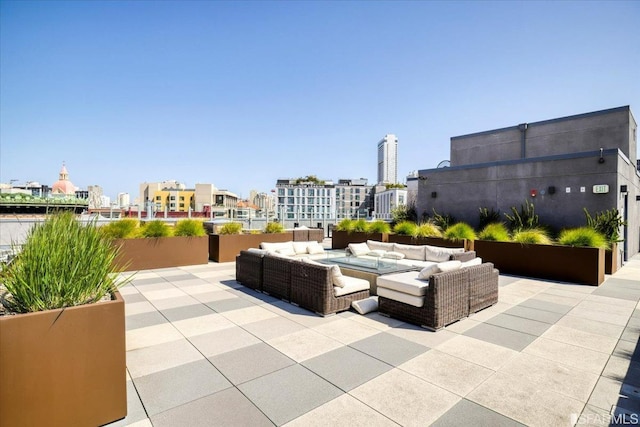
(62, 329)
(425, 233)
(229, 241)
(155, 244)
(358, 231)
(608, 223)
(532, 253)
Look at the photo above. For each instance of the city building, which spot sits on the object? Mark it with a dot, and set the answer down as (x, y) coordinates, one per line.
(305, 200)
(63, 186)
(203, 200)
(353, 198)
(124, 201)
(95, 197)
(388, 199)
(265, 203)
(564, 165)
(388, 160)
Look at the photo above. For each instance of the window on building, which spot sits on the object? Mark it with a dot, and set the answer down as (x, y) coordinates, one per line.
(181, 198)
(172, 198)
(182, 205)
(158, 197)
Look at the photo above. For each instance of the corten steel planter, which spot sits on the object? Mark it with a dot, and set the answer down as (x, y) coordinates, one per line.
(64, 367)
(611, 259)
(161, 252)
(225, 247)
(432, 241)
(554, 262)
(341, 239)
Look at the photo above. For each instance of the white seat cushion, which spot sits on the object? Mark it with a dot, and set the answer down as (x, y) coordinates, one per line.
(358, 249)
(406, 282)
(401, 297)
(374, 244)
(300, 247)
(441, 267)
(378, 253)
(315, 248)
(410, 251)
(286, 251)
(366, 305)
(415, 263)
(351, 285)
(472, 262)
(440, 254)
(393, 255)
(274, 246)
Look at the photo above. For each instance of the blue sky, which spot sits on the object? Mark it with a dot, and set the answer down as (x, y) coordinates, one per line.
(239, 94)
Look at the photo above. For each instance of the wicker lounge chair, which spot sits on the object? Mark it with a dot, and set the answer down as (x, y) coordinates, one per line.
(312, 288)
(449, 297)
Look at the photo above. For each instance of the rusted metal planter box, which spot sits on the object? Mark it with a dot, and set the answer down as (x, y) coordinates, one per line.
(554, 262)
(161, 252)
(64, 367)
(432, 241)
(611, 259)
(225, 247)
(341, 239)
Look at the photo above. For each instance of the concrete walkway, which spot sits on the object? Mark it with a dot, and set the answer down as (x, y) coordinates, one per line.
(202, 350)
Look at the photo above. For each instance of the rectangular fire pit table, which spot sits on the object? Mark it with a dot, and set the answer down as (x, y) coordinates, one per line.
(366, 268)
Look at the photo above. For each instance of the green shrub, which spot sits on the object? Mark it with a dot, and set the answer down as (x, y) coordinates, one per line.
(190, 228)
(607, 223)
(526, 219)
(404, 213)
(582, 236)
(428, 229)
(122, 229)
(532, 236)
(405, 228)
(488, 217)
(460, 231)
(378, 226)
(62, 263)
(274, 227)
(345, 225)
(496, 231)
(443, 221)
(231, 228)
(155, 228)
(360, 225)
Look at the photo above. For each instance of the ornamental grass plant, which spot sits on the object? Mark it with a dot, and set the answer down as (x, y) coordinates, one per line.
(378, 226)
(583, 237)
(406, 228)
(496, 232)
(62, 263)
(345, 225)
(532, 236)
(428, 229)
(274, 227)
(156, 228)
(231, 228)
(189, 228)
(126, 228)
(460, 231)
(360, 225)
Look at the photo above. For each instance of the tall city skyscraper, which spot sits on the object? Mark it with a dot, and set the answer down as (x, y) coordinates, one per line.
(388, 159)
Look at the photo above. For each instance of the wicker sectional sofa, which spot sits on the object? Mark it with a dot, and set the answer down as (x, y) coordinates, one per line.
(443, 298)
(301, 281)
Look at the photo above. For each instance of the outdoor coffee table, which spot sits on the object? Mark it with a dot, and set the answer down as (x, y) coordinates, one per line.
(366, 268)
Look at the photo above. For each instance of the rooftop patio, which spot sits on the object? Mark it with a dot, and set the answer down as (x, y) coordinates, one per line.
(203, 350)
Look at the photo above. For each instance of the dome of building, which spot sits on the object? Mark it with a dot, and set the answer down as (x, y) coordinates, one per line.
(63, 185)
